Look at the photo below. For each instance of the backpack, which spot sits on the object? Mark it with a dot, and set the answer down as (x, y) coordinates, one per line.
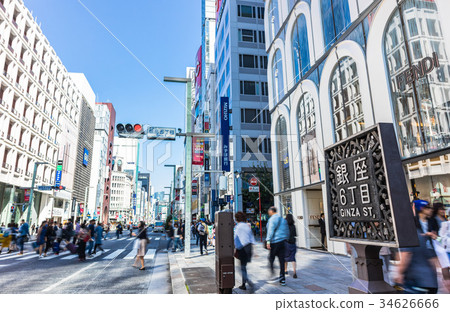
(201, 229)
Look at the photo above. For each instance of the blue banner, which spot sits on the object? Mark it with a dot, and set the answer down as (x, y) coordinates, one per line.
(225, 132)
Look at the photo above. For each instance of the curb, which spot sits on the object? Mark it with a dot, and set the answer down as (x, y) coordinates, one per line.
(179, 286)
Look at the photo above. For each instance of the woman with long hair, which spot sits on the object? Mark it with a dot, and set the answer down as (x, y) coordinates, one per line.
(291, 246)
(41, 237)
(142, 245)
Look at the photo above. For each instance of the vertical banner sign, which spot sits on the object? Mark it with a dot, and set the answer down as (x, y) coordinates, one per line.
(58, 173)
(225, 132)
(198, 73)
(198, 151)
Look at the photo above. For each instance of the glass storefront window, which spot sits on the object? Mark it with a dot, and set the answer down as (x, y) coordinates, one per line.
(335, 19)
(277, 76)
(346, 99)
(283, 154)
(405, 47)
(286, 204)
(308, 143)
(274, 23)
(300, 48)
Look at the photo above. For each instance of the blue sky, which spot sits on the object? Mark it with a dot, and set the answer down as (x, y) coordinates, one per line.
(164, 35)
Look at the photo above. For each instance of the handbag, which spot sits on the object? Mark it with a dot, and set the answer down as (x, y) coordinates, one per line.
(278, 225)
(236, 254)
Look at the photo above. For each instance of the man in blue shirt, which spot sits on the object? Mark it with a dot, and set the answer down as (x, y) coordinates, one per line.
(277, 234)
(23, 234)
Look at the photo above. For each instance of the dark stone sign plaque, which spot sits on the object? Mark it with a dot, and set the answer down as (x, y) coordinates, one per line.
(368, 198)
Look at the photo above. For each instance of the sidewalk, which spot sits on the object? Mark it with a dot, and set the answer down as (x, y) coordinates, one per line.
(318, 273)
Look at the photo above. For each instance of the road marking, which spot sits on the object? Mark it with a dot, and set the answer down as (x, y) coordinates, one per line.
(158, 238)
(114, 254)
(150, 255)
(131, 255)
(130, 238)
(120, 239)
(70, 257)
(55, 256)
(69, 277)
(9, 256)
(98, 254)
(28, 257)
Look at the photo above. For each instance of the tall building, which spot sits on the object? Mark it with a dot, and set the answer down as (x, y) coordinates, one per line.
(337, 67)
(83, 165)
(241, 75)
(98, 193)
(121, 197)
(40, 109)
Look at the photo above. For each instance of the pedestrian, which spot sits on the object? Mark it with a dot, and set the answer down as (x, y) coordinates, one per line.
(50, 238)
(444, 234)
(118, 230)
(243, 241)
(14, 230)
(69, 230)
(91, 230)
(98, 237)
(439, 213)
(59, 233)
(194, 232)
(182, 228)
(277, 234)
(41, 237)
(33, 227)
(131, 230)
(23, 235)
(83, 237)
(416, 271)
(202, 231)
(77, 231)
(6, 242)
(142, 245)
(291, 246)
(170, 234)
(107, 228)
(176, 238)
(323, 232)
(210, 233)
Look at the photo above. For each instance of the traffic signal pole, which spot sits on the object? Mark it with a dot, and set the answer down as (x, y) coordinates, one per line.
(30, 200)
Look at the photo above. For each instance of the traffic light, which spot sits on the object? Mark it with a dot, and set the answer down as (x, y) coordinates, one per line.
(58, 188)
(12, 209)
(130, 131)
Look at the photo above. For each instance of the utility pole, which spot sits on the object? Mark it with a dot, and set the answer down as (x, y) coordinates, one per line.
(30, 201)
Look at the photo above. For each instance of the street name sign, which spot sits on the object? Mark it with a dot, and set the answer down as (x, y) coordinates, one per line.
(253, 189)
(45, 188)
(368, 198)
(161, 133)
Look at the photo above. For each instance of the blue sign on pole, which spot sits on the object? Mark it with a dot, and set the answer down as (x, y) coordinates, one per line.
(58, 178)
(225, 132)
(85, 157)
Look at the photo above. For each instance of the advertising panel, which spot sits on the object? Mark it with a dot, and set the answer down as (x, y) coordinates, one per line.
(198, 147)
(198, 72)
(225, 132)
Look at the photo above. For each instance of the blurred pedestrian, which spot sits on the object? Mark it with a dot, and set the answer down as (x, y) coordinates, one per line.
(83, 237)
(202, 230)
(118, 230)
(142, 245)
(23, 235)
(6, 239)
(194, 232)
(77, 231)
(98, 237)
(170, 234)
(277, 234)
(41, 237)
(243, 241)
(14, 230)
(323, 231)
(176, 238)
(91, 230)
(444, 234)
(417, 271)
(50, 238)
(291, 246)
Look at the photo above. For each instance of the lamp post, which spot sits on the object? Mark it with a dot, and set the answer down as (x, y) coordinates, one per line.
(85, 201)
(237, 175)
(174, 169)
(30, 201)
(188, 160)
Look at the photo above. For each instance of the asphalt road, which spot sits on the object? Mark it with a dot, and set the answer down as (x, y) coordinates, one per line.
(110, 272)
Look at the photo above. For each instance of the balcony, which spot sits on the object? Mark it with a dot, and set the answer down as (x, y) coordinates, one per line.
(25, 120)
(19, 171)
(10, 49)
(14, 111)
(35, 128)
(43, 133)
(25, 37)
(32, 150)
(11, 139)
(15, 24)
(22, 62)
(2, 7)
(6, 165)
(28, 174)
(22, 145)
(17, 85)
(35, 51)
(45, 180)
(41, 155)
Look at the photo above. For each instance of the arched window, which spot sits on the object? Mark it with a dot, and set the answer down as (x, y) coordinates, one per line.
(405, 48)
(346, 99)
(283, 154)
(335, 19)
(300, 48)
(306, 118)
(274, 19)
(277, 76)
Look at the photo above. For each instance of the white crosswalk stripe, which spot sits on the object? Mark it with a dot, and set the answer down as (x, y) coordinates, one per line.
(28, 257)
(70, 257)
(121, 239)
(131, 255)
(55, 256)
(114, 254)
(150, 255)
(131, 238)
(98, 254)
(157, 238)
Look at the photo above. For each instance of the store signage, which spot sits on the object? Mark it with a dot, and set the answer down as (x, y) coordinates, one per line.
(198, 72)
(81, 208)
(225, 132)
(253, 189)
(423, 68)
(58, 173)
(368, 198)
(85, 157)
(198, 151)
(26, 196)
(45, 188)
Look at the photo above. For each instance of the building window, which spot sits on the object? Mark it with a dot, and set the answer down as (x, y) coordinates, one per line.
(264, 89)
(261, 13)
(246, 11)
(262, 36)
(274, 22)
(263, 62)
(335, 19)
(421, 108)
(306, 119)
(249, 87)
(300, 48)
(249, 115)
(247, 35)
(248, 61)
(346, 99)
(283, 154)
(277, 76)
(255, 145)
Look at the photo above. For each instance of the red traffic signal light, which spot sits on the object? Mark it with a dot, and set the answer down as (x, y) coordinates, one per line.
(130, 131)
(138, 128)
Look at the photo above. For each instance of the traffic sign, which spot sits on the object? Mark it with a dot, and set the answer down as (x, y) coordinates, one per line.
(253, 181)
(253, 189)
(161, 133)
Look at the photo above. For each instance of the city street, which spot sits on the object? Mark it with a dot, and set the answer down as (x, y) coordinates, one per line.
(106, 273)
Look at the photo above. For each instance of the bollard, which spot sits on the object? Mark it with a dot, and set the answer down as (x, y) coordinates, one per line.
(224, 251)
